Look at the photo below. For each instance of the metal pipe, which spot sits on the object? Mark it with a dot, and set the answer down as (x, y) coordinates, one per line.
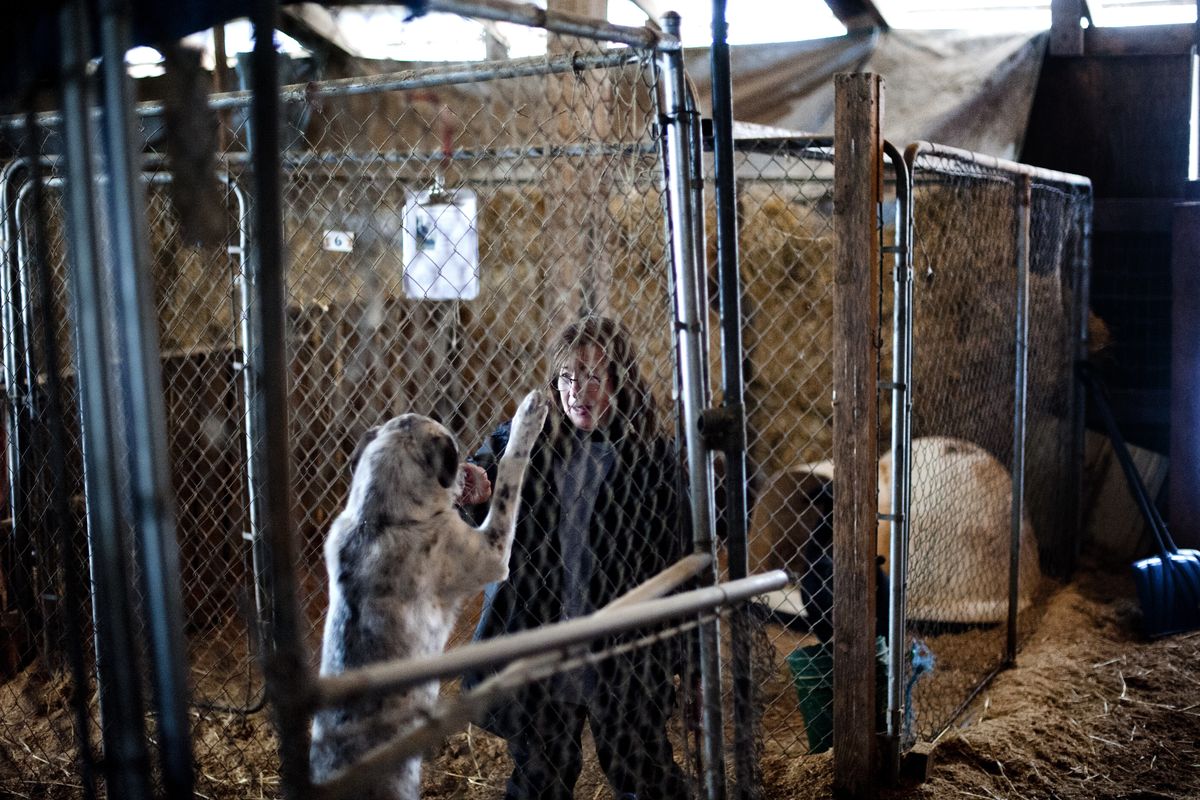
(453, 714)
(692, 389)
(400, 675)
(404, 80)
(1024, 189)
(126, 760)
(255, 456)
(18, 405)
(61, 519)
(287, 672)
(31, 537)
(921, 148)
(901, 439)
(532, 16)
(745, 762)
(152, 503)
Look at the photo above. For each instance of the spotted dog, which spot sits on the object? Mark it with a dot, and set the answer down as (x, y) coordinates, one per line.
(401, 561)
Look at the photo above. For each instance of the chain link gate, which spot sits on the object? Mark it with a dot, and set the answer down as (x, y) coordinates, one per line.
(786, 254)
(999, 272)
(348, 315)
(785, 240)
(561, 159)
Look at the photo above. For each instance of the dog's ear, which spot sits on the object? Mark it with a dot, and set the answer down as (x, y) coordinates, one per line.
(361, 447)
(442, 458)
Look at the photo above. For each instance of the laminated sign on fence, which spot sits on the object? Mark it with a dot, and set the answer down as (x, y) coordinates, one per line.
(441, 245)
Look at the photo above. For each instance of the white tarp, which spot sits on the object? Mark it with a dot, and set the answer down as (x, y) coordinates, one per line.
(966, 90)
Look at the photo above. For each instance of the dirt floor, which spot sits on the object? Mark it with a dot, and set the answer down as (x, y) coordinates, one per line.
(1092, 710)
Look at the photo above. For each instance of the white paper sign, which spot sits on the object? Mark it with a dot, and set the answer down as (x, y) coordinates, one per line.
(441, 246)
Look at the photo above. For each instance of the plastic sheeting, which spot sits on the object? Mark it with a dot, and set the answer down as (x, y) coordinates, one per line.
(954, 88)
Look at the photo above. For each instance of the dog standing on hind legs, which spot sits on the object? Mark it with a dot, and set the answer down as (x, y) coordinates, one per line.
(401, 561)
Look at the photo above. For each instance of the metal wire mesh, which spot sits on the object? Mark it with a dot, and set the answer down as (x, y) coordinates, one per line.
(556, 161)
(968, 267)
(786, 249)
(560, 159)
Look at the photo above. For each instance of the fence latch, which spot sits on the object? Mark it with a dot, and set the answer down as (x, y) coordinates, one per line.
(723, 428)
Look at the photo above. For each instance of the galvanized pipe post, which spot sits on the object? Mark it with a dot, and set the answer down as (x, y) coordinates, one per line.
(32, 539)
(62, 521)
(122, 715)
(901, 445)
(152, 501)
(255, 456)
(680, 126)
(289, 685)
(1024, 190)
(18, 389)
(746, 769)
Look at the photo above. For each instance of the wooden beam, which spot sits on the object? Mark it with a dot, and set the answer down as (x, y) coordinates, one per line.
(1142, 40)
(597, 9)
(314, 27)
(1066, 34)
(857, 14)
(857, 190)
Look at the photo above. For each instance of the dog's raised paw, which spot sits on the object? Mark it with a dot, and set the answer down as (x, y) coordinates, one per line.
(531, 415)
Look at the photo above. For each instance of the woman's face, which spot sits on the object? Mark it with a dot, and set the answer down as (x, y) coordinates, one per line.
(585, 388)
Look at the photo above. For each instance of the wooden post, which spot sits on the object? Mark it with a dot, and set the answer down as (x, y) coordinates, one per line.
(857, 190)
(1185, 377)
(1066, 34)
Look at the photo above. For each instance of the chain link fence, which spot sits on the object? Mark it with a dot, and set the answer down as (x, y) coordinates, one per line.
(441, 227)
(996, 331)
(786, 258)
(786, 251)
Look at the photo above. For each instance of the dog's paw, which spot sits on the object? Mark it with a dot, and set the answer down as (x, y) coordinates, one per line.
(531, 415)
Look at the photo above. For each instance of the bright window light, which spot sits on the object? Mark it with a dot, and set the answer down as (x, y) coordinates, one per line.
(969, 15)
(382, 32)
(144, 62)
(1012, 15)
(1125, 13)
(749, 21)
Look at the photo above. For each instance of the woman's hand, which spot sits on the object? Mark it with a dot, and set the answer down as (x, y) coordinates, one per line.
(476, 488)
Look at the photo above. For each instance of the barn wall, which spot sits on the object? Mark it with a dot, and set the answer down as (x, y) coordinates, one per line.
(1119, 114)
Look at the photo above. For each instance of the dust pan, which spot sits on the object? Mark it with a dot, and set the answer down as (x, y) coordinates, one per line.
(1168, 584)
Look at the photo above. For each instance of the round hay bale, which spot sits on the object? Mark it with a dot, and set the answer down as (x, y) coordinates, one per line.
(958, 551)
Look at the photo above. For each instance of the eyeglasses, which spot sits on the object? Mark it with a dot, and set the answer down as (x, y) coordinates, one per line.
(566, 381)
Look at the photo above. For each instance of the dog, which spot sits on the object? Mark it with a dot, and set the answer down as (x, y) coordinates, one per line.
(401, 561)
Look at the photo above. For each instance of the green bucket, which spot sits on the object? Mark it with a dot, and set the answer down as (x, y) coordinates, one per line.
(812, 675)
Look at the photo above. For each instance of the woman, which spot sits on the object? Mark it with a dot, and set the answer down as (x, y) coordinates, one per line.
(599, 515)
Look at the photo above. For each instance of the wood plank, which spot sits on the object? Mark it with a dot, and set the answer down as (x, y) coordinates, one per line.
(857, 14)
(1184, 487)
(858, 186)
(1142, 40)
(1066, 35)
